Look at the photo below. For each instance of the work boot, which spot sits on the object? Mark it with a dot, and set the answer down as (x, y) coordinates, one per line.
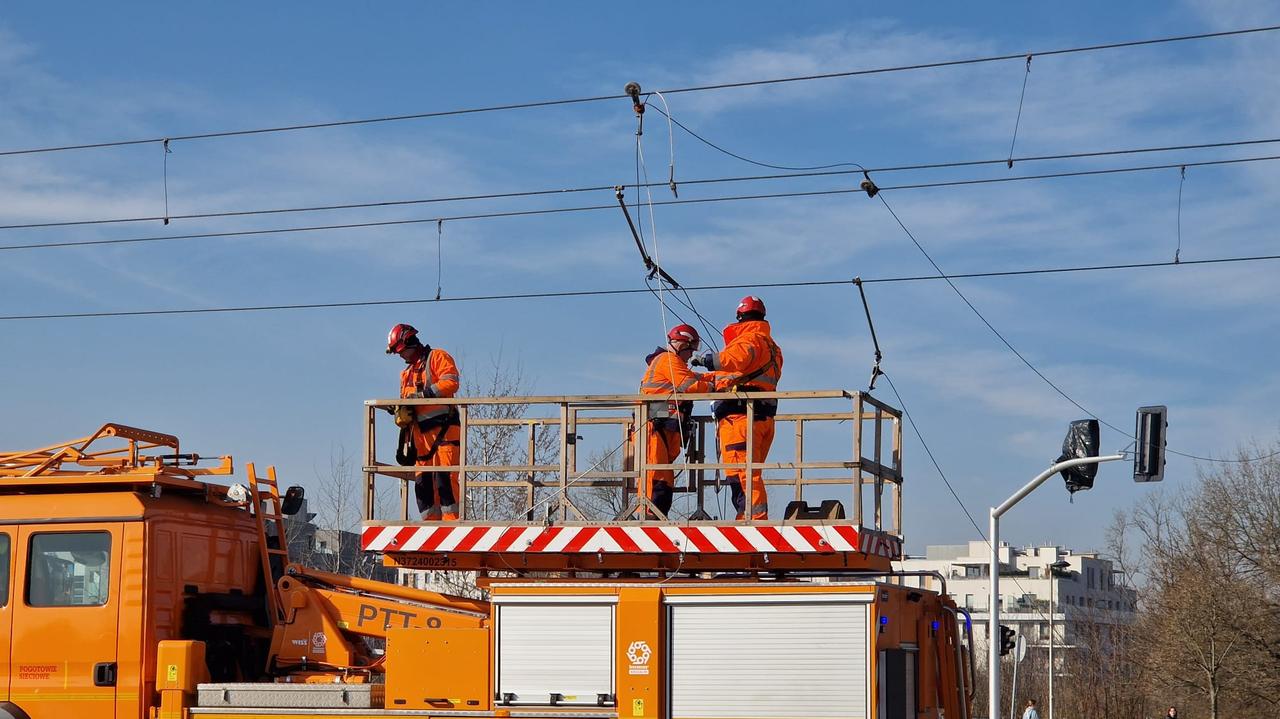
(450, 512)
(432, 515)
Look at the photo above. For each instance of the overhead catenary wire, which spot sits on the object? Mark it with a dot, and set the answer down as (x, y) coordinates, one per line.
(798, 173)
(1052, 385)
(670, 91)
(641, 290)
(593, 208)
(872, 190)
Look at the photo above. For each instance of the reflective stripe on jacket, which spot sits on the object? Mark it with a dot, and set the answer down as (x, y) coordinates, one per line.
(437, 372)
(668, 373)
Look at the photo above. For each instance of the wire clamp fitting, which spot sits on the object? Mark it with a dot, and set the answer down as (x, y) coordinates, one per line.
(868, 186)
(633, 89)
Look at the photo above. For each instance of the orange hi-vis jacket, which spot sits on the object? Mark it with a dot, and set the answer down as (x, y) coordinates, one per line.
(668, 373)
(750, 359)
(437, 372)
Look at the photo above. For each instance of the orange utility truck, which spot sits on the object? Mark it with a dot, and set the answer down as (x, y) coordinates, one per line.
(136, 585)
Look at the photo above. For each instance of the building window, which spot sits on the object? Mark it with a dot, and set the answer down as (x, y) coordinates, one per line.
(1033, 572)
(972, 572)
(968, 601)
(69, 569)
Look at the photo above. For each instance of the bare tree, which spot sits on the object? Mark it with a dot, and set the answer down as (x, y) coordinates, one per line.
(1209, 630)
(332, 542)
(510, 444)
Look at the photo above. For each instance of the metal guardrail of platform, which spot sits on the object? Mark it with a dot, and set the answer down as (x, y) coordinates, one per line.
(869, 472)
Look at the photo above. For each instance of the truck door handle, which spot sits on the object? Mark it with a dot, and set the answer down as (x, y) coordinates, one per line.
(104, 674)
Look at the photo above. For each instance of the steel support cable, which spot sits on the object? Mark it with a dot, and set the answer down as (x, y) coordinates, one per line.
(948, 278)
(602, 98)
(592, 208)
(945, 481)
(801, 172)
(644, 290)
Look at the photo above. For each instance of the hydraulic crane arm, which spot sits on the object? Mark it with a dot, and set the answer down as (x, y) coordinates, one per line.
(326, 617)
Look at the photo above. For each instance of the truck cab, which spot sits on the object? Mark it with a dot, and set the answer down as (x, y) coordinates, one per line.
(97, 568)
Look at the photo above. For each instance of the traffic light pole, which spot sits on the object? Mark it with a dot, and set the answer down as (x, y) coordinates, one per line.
(993, 630)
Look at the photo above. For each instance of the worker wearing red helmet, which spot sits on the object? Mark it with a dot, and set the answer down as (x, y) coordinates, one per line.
(668, 373)
(750, 361)
(434, 429)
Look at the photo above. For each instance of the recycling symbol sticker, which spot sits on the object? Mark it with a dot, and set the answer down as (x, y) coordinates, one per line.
(638, 653)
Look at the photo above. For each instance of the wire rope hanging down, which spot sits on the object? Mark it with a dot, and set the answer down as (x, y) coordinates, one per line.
(1018, 120)
(439, 258)
(1182, 180)
(165, 171)
(667, 372)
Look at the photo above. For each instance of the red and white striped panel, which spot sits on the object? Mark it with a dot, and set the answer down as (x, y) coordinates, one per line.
(662, 539)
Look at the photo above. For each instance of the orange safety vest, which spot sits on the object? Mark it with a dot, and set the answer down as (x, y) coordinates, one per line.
(434, 370)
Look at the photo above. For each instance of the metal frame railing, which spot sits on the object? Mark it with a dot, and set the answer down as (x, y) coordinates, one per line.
(628, 412)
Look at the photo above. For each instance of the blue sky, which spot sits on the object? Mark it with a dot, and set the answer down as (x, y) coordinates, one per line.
(286, 387)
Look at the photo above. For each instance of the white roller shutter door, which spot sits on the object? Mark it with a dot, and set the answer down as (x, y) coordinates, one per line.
(555, 648)
(798, 658)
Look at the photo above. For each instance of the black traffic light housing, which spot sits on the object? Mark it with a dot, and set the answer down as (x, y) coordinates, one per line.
(1082, 440)
(1148, 456)
(1007, 640)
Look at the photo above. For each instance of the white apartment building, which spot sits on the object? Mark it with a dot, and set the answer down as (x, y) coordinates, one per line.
(1086, 590)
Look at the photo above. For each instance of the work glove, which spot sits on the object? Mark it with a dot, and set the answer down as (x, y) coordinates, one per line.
(707, 360)
(404, 416)
(424, 393)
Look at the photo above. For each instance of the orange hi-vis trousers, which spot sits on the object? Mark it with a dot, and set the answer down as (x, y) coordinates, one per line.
(733, 450)
(437, 495)
(662, 446)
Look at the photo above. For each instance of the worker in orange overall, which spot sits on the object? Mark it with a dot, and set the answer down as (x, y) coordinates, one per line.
(751, 361)
(433, 429)
(669, 422)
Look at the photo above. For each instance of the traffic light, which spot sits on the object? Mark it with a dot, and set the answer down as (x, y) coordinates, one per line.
(1148, 456)
(1081, 441)
(1007, 640)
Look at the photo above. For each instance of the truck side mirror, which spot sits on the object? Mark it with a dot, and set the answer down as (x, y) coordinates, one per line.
(292, 501)
(1082, 440)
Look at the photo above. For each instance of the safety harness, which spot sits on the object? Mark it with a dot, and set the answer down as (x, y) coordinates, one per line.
(764, 408)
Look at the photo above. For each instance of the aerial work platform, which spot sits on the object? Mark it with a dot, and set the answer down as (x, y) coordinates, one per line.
(528, 506)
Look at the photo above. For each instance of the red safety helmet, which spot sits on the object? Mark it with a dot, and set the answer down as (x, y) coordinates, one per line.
(399, 337)
(750, 303)
(685, 333)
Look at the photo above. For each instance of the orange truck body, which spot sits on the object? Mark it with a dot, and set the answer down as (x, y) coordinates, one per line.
(131, 588)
